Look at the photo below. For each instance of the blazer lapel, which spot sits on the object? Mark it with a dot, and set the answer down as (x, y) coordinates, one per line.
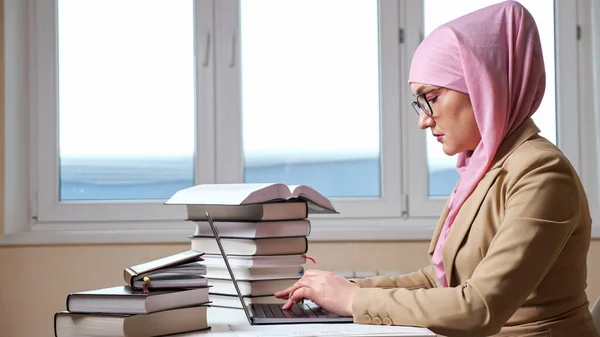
(464, 219)
(438, 229)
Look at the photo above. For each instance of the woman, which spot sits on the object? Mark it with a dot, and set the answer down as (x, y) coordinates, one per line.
(508, 256)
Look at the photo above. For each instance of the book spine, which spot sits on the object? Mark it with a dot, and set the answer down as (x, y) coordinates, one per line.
(306, 245)
(128, 275)
(55, 318)
(67, 304)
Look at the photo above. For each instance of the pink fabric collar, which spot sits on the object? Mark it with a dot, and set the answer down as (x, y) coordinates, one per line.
(494, 55)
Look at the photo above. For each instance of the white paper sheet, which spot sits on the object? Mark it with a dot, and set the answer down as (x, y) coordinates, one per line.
(301, 330)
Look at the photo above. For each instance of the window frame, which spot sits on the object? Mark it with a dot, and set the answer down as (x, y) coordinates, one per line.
(567, 115)
(589, 81)
(47, 209)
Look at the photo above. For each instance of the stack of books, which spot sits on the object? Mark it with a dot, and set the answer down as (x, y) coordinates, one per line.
(161, 297)
(264, 230)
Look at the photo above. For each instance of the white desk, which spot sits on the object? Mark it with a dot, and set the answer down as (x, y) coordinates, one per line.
(233, 322)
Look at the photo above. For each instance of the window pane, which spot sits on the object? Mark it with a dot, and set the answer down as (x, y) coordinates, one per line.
(310, 94)
(442, 173)
(126, 98)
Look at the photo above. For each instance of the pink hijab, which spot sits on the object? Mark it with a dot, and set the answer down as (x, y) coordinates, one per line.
(494, 55)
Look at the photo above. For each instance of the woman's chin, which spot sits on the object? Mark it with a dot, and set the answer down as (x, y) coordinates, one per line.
(449, 150)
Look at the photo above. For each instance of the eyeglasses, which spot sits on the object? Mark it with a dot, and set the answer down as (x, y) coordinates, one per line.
(422, 104)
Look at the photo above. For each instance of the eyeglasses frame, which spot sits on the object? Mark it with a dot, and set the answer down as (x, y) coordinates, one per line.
(418, 107)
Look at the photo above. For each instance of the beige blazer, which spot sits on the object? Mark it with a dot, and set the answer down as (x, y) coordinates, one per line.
(515, 257)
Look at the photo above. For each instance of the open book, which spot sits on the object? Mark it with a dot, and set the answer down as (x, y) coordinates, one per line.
(252, 193)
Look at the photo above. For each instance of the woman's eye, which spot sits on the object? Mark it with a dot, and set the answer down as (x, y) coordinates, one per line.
(432, 99)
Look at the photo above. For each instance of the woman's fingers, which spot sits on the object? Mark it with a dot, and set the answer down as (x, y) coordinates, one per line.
(298, 296)
(286, 293)
(294, 293)
(302, 293)
(308, 274)
(288, 304)
(283, 293)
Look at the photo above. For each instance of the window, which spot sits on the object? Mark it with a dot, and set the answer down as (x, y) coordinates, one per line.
(254, 103)
(174, 94)
(310, 102)
(125, 99)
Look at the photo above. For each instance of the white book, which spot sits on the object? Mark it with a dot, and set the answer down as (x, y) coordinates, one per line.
(262, 246)
(249, 288)
(255, 229)
(251, 193)
(254, 261)
(255, 273)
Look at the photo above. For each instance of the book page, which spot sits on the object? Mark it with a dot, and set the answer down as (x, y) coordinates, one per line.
(269, 193)
(215, 194)
(322, 203)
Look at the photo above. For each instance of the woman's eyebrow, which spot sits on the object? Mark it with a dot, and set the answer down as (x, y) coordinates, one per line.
(419, 90)
(423, 87)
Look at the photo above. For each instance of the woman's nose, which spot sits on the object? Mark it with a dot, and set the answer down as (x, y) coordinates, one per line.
(425, 121)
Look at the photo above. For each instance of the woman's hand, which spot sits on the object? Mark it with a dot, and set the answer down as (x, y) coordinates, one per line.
(326, 289)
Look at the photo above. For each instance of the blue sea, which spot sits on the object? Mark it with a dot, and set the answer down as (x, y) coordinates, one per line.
(159, 178)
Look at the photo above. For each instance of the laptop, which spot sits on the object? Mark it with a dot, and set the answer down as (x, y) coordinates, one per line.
(272, 313)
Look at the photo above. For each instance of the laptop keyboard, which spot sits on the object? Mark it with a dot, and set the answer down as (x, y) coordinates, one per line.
(297, 310)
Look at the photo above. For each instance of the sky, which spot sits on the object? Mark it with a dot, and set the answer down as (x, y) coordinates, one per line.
(127, 88)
